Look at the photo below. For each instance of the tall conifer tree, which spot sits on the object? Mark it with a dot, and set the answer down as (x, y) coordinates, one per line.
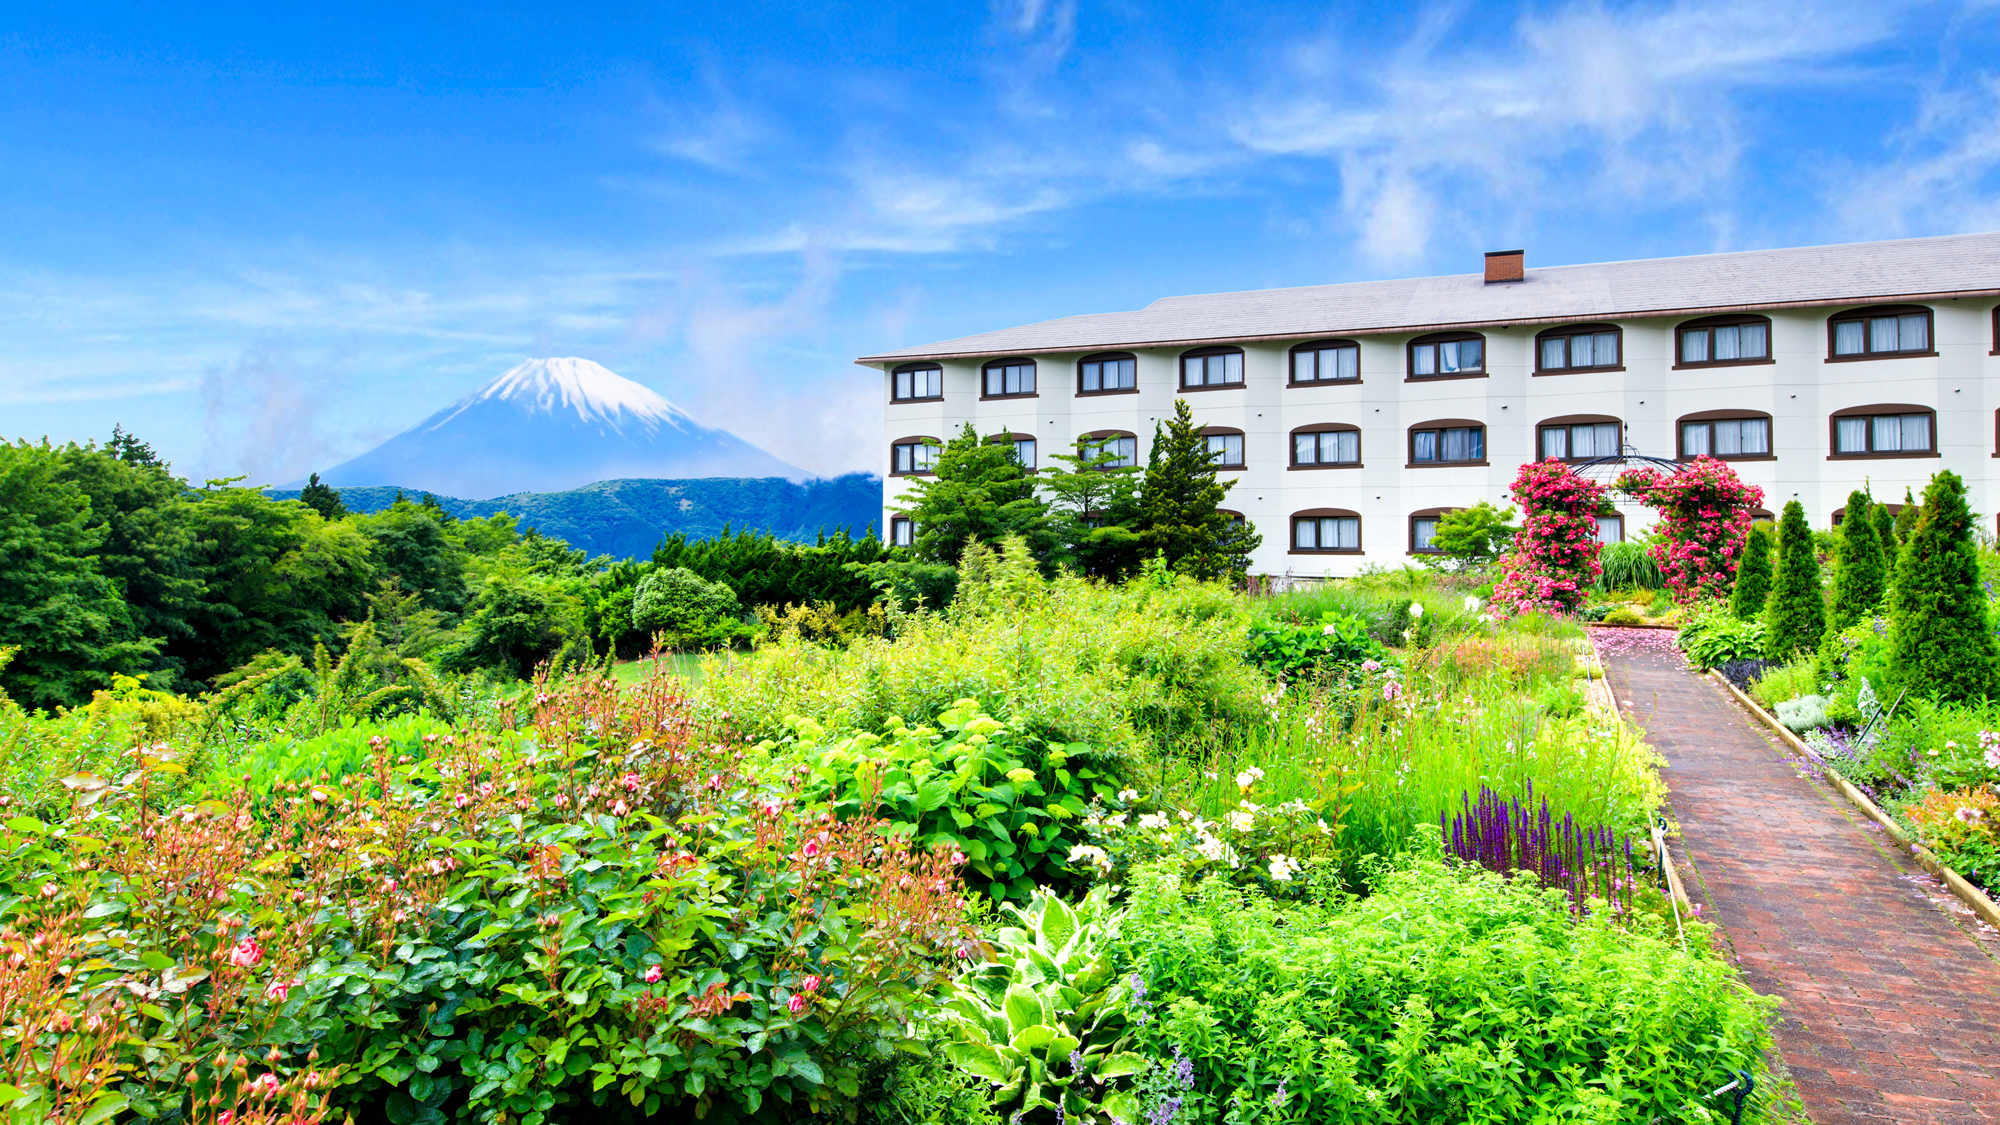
(1943, 643)
(1860, 571)
(1178, 504)
(1796, 616)
(1753, 575)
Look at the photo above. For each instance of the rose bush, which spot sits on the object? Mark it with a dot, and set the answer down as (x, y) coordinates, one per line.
(1555, 553)
(1704, 519)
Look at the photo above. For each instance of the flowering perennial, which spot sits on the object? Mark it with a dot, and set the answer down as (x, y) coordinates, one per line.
(1555, 553)
(1704, 519)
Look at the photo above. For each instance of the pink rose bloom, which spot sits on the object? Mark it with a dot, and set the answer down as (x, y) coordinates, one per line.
(245, 954)
(797, 1003)
(280, 989)
(810, 984)
(264, 1085)
(810, 850)
(652, 974)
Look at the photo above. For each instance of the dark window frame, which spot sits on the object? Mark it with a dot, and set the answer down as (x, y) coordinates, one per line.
(1292, 447)
(911, 369)
(1867, 312)
(1410, 357)
(1010, 438)
(1620, 517)
(1996, 332)
(1713, 322)
(1109, 435)
(1227, 431)
(1315, 347)
(1104, 357)
(1569, 330)
(1013, 361)
(1725, 415)
(1440, 425)
(896, 523)
(1410, 529)
(1292, 532)
(1567, 420)
(1180, 368)
(913, 440)
(1840, 513)
(1874, 410)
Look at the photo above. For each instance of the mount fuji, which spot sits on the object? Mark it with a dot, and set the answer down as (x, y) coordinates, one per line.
(550, 425)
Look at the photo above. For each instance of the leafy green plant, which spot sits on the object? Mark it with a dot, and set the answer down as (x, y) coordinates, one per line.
(1717, 636)
(687, 610)
(1627, 566)
(1046, 1021)
(1334, 646)
(1776, 685)
(1804, 713)
(990, 790)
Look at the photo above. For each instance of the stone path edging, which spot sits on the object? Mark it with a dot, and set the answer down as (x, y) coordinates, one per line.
(1972, 896)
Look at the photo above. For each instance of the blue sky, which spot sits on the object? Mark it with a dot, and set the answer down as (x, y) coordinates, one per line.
(267, 238)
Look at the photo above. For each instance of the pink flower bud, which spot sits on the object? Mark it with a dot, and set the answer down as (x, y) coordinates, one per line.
(652, 974)
(797, 1003)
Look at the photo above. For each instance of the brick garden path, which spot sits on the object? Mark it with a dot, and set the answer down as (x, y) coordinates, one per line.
(1891, 1008)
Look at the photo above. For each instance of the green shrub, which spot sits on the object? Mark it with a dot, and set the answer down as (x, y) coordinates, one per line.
(1716, 636)
(1860, 569)
(1489, 1010)
(1010, 802)
(1753, 575)
(1623, 615)
(686, 609)
(1795, 616)
(1627, 566)
(1800, 677)
(1334, 646)
(1807, 712)
(1944, 646)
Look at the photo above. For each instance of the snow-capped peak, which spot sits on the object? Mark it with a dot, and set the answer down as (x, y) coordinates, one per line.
(593, 392)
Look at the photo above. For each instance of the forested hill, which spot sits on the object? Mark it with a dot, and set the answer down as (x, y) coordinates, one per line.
(628, 518)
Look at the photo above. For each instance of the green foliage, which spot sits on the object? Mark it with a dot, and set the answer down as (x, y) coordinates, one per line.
(1860, 567)
(1906, 520)
(321, 498)
(518, 621)
(765, 570)
(1716, 636)
(1753, 575)
(1800, 677)
(685, 609)
(1624, 615)
(1094, 510)
(1475, 536)
(979, 493)
(1301, 652)
(1179, 501)
(1007, 800)
(1885, 534)
(1047, 1020)
(1488, 1011)
(1944, 646)
(1627, 566)
(909, 585)
(1795, 616)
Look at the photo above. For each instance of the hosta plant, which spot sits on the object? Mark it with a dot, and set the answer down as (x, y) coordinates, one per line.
(1045, 1021)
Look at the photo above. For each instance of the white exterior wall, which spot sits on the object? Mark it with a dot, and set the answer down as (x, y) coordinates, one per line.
(1800, 390)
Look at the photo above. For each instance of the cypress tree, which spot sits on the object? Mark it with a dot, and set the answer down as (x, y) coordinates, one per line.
(1906, 520)
(1753, 575)
(1942, 643)
(1796, 616)
(1885, 534)
(1178, 502)
(1860, 571)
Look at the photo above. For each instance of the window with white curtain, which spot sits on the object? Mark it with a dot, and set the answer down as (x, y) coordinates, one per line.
(1326, 533)
(1568, 350)
(1423, 533)
(912, 456)
(1220, 370)
(1883, 433)
(919, 382)
(1726, 437)
(1726, 343)
(1124, 450)
(1327, 363)
(1887, 333)
(1610, 529)
(1108, 373)
(1014, 377)
(1226, 450)
(1024, 452)
(1434, 358)
(1452, 443)
(902, 532)
(1582, 441)
(1327, 447)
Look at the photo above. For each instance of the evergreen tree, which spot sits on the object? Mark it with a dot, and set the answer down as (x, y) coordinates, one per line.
(1796, 616)
(1753, 575)
(1860, 572)
(322, 498)
(979, 491)
(1885, 534)
(1179, 502)
(1943, 644)
(1906, 520)
(1094, 506)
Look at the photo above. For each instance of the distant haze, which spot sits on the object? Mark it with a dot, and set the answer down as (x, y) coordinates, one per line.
(549, 425)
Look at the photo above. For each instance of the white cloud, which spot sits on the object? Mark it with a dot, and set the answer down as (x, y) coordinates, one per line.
(1946, 177)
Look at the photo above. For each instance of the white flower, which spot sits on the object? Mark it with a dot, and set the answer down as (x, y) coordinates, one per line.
(1329, 630)
(1096, 857)
(1115, 822)
(1128, 795)
(1472, 602)
(1249, 777)
(1153, 820)
(1241, 821)
(1416, 609)
(1282, 869)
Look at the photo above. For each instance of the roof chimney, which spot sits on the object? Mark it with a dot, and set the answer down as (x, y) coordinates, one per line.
(1504, 265)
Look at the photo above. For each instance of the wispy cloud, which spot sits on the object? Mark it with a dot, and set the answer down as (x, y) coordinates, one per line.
(1945, 175)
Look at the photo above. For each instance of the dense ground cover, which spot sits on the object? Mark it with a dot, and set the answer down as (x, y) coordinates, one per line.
(1063, 851)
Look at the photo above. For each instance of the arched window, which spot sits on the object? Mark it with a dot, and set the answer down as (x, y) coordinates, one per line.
(1447, 441)
(1886, 429)
(1326, 445)
(1008, 378)
(1729, 435)
(1225, 446)
(1123, 444)
(1326, 361)
(1448, 355)
(1579, 437)
(1881, 332)
(1762, 515)
(902, 533)
(1611, 528)
(1108, 373)
(1423, 530)
(1024, 447)
(1579, 347)
(1326, 531)
(913, 456)
(1232, 517)
(1206, 369)
(916, 381)
(1723, 341)
(1840, 514)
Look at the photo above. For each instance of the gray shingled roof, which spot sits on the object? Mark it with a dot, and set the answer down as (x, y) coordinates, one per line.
(1914, 268)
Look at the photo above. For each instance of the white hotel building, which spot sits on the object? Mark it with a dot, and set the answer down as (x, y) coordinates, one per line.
(1352, 415)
